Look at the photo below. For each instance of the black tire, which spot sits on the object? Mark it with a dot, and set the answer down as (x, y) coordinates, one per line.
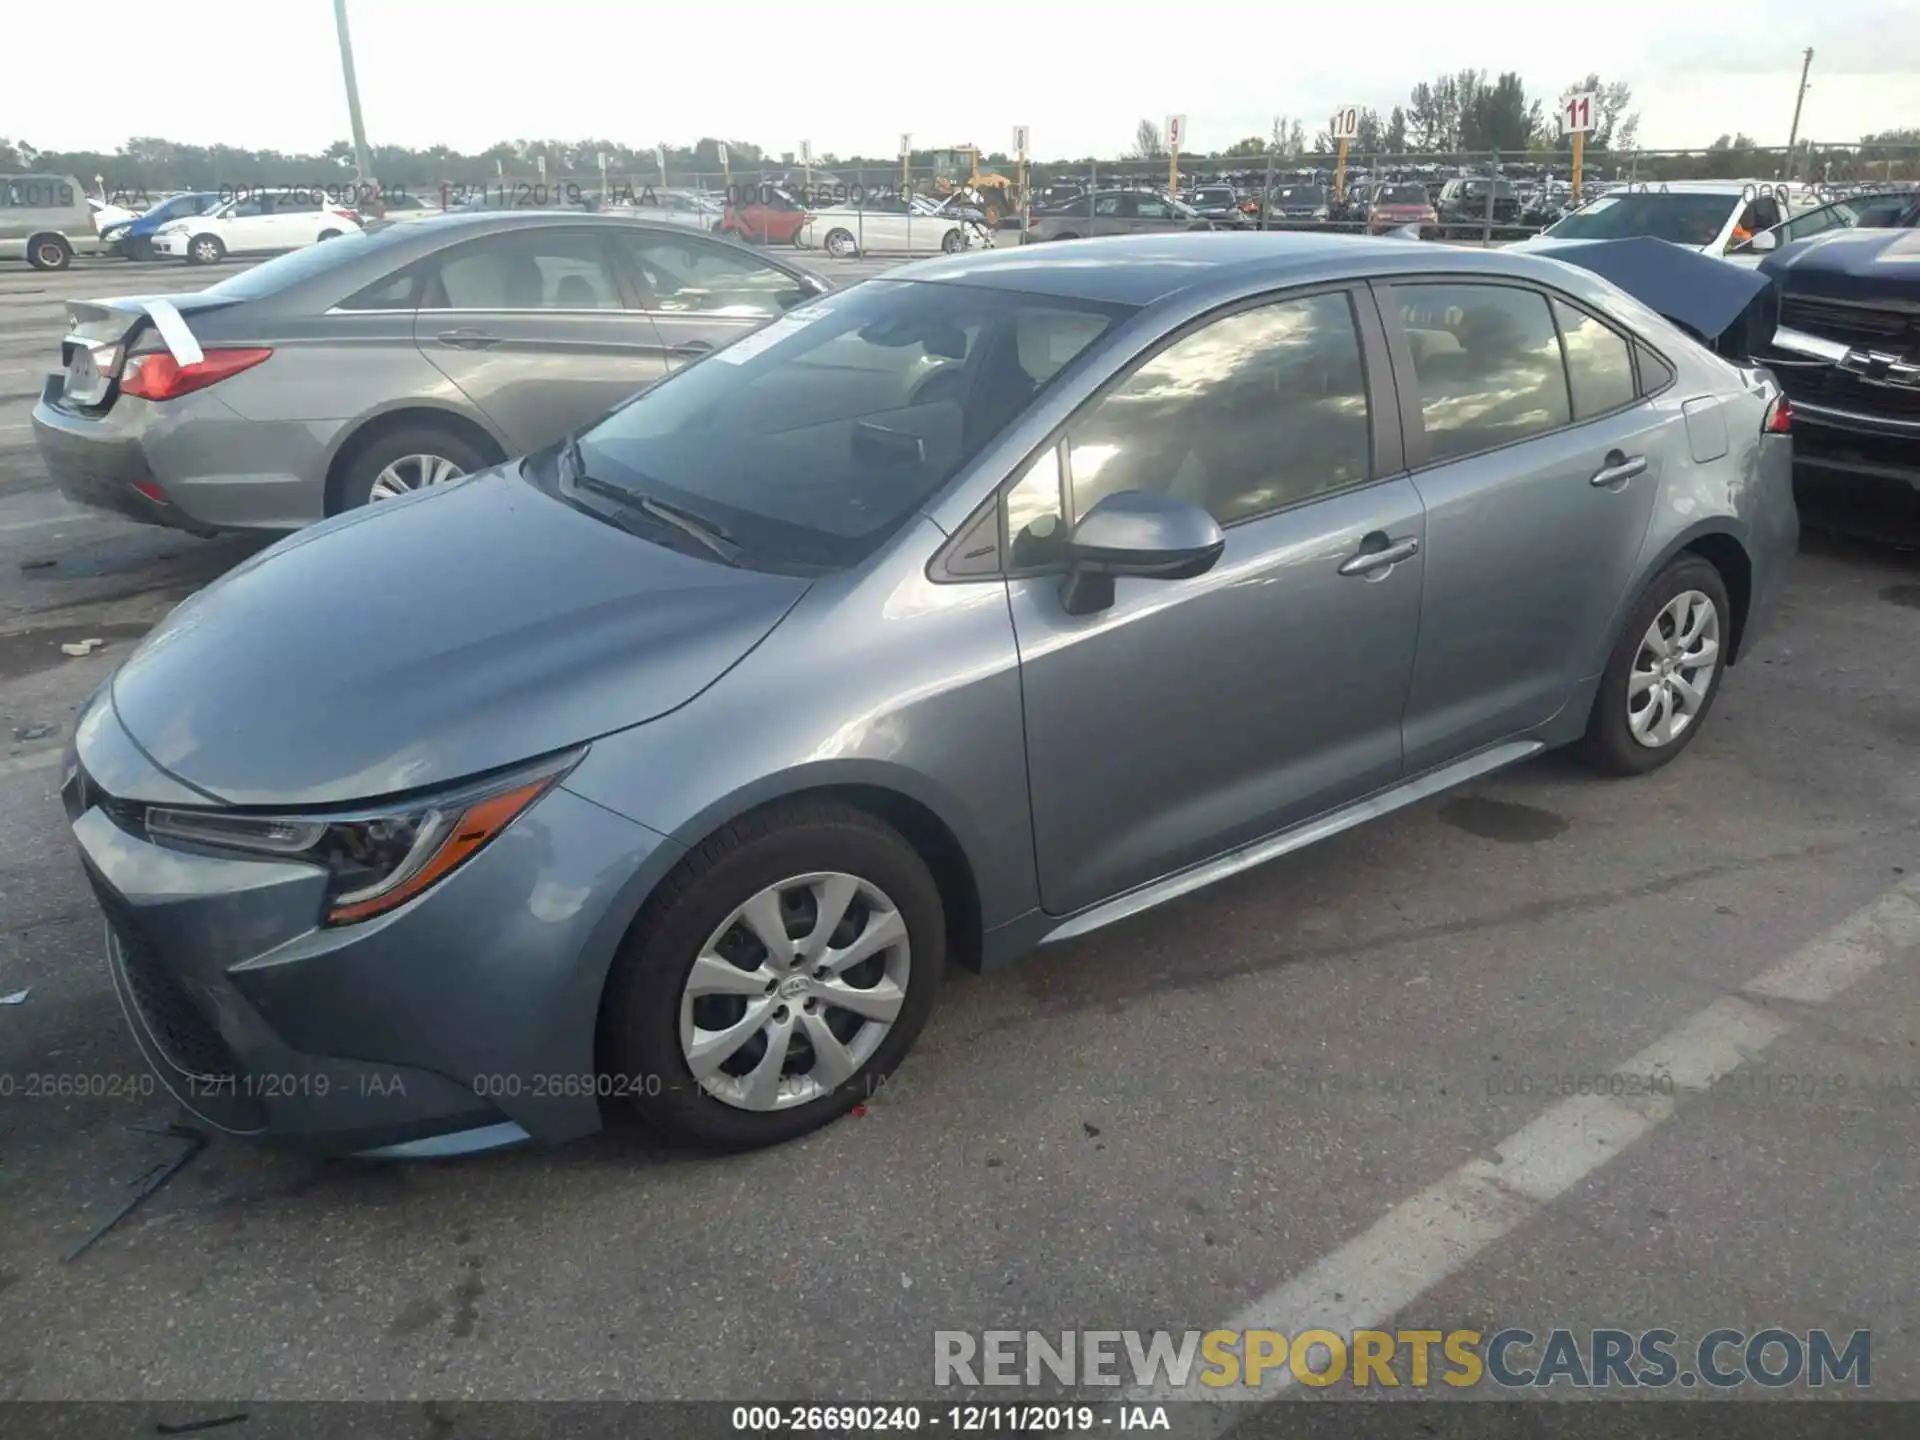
(840, 244)
(356, 484)
(140, 248)
(953, 242)
(1609, 745)
(641, 1014)
(799, 240)
(49, 252)
(329, 234)
(1069, 235)
(206, 250)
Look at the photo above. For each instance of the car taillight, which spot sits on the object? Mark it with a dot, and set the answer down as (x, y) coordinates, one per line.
(160, 377)
(1779, 419)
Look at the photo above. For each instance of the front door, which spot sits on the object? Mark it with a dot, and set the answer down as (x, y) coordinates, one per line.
(1539, 477)
(532, 326)
(1194, 716)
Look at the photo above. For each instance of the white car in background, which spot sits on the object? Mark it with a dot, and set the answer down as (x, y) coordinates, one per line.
(684, 208)
(255, 223)
(887, 223)
(1869, 210)
(1711, 216)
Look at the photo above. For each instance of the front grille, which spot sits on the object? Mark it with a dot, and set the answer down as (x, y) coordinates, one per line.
(1827, 385)
(1850, 325)
(175, 1024)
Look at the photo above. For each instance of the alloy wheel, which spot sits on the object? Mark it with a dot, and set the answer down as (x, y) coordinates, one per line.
(413, 472)
(794, 991)
(1673, 671)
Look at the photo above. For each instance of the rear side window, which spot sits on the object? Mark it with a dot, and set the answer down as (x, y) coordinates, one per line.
(1486, 359)
(397, 292)
(1599, 363)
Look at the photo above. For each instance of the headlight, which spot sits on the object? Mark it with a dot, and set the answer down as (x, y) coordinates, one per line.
(114, 232)
(377, 859)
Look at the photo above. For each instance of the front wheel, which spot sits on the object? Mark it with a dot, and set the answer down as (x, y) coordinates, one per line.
(953, 242)
(776, 980)
(206, 250)
(329, 234)
(1664, 672)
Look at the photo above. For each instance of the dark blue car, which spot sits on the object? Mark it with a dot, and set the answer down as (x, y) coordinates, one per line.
(133, 239)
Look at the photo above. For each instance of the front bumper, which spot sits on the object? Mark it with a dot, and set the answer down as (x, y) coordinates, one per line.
(174, 244)
(465, 1018)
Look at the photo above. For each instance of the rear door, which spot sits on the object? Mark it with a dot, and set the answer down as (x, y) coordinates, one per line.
(534, 328)
(701, 294)
(1538, 460)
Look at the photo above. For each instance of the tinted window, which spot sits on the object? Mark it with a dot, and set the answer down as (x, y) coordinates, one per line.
(526, 270)
(677, 275)
(1258, 410)
(815, 438)
(396, 292)
(1107, 205)
(1487, 362)
(1599, 363)
(1401, 195)
(1153, 210)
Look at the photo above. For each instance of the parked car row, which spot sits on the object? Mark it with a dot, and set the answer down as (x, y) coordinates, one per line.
(483, 780)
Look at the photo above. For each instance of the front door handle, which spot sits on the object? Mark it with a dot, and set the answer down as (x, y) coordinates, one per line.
(1617, 469)
(468, 339)
(1384, 557)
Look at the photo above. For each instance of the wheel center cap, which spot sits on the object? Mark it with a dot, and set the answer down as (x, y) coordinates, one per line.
(794, 986)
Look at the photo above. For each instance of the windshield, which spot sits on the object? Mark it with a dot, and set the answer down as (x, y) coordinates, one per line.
(1682, 219)
(812, 440)
(1301, 195)
(1217, 195)
(1401, 195)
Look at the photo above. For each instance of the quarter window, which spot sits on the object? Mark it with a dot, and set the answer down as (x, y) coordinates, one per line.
(1599, 363)
(1486, 360)
(1259, 410)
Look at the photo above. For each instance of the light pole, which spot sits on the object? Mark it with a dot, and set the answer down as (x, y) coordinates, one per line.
(362, 162)
(1793, 135)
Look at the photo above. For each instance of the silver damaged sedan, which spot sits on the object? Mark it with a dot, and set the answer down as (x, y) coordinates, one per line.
(661, 774)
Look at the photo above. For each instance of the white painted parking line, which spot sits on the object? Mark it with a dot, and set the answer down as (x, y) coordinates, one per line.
(78, 517)
(1424, 1240)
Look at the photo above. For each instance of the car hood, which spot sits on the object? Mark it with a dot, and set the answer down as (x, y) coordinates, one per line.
(422, 640)
(1859, 265)
(1701, 292)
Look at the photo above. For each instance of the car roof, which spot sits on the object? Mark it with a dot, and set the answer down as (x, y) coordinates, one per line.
(1143, 269)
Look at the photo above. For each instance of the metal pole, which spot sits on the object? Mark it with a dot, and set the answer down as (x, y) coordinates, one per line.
(1493, 184)
(362, 162)
(1266, 195)
(1799, 99)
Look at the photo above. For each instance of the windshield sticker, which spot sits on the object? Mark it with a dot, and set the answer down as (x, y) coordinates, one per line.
(762, 340)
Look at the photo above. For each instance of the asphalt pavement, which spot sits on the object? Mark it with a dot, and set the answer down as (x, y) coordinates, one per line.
(1350, 1088)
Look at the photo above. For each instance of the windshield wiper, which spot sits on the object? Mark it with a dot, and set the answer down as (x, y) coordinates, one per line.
(711, 536)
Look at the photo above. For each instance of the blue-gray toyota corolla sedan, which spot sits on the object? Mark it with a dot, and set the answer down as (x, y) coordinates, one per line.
(661, 773)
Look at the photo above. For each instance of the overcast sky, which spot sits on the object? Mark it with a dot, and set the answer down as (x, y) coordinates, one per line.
(851, 75)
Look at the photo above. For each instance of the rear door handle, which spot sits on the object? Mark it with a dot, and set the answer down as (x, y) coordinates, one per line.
(1369, 562)
(468, 339)
(1617, 469)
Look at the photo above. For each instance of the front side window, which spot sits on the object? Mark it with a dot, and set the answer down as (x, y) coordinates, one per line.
(526, 270)
(1107, 205)
(1486, 359)
(676, 275)
(1153, 210)
(813, 439)
(1250, 413)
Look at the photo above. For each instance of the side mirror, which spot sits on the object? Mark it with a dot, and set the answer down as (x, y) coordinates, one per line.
(1766, 240)
(1139, 533)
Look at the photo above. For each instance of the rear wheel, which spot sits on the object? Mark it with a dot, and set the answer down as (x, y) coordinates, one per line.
(206, 250)
(329, 234)
(778, 978)
(953, 242)
(406, 460)
(1664, 672)
(49, 252)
